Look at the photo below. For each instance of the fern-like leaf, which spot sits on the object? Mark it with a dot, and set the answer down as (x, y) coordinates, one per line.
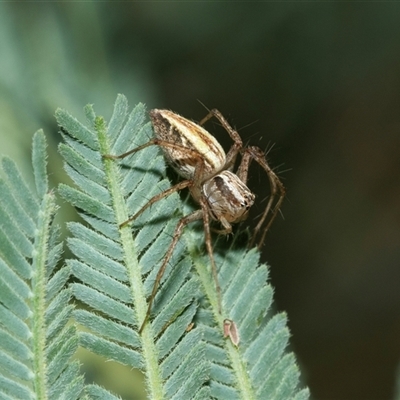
(116, 271)
(258, 367)
(35, 341)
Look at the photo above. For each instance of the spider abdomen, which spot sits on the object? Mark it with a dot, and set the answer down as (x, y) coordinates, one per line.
(228, 197)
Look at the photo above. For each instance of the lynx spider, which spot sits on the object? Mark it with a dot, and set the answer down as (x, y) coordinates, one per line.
(222, 195)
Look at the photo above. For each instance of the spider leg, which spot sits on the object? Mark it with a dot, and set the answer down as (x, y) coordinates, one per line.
(179, 186)
(207, 239)
(153, 142)
(277, 189)
(237, 140)
(243, 169)
(222, 232)
(194, 216)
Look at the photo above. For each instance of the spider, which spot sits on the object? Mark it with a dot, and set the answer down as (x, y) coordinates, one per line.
(207, 171)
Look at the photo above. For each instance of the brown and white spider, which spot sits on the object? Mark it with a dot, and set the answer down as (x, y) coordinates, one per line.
(222, 195)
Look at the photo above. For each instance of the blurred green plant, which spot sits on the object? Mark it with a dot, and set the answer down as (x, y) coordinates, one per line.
(181, 352)
(36, 341)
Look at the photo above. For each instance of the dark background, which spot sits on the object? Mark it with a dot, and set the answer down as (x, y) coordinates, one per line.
(318, 81)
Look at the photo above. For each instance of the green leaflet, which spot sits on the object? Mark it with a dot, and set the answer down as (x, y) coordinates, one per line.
(36, 344)
(258, 368)
(117, 269)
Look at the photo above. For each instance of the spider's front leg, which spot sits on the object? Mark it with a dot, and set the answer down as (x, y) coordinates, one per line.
(237, 140)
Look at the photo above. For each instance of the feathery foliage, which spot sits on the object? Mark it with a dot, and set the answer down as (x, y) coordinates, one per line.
(259, 367)
(36, 343)
(116, 272)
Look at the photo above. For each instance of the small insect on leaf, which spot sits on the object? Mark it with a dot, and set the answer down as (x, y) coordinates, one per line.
(189, 327)
(230, 329)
